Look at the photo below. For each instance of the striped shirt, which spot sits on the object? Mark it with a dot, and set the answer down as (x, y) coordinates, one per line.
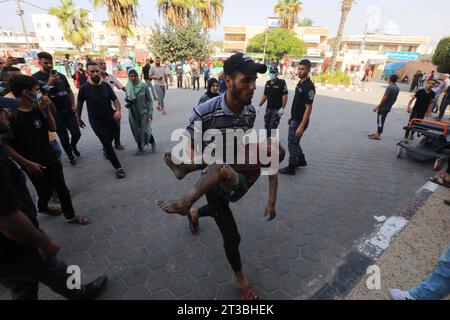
(215, 114)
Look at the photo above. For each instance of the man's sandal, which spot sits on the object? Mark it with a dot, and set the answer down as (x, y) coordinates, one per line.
(79, 220)
(248, 294)
(53, 212)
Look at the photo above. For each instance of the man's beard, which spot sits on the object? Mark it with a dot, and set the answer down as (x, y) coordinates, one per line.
(235, 94)
(96, 79)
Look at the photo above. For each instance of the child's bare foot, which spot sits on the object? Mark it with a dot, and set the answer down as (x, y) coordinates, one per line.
(193, 221)
(174, 207)
(176, 169)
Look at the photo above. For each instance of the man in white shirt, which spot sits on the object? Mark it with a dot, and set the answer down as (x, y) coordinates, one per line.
(158, 74)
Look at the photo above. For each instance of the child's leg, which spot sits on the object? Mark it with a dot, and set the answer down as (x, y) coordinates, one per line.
(181, 170)
(222, 175)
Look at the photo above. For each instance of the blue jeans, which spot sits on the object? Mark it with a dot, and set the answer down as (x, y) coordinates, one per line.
(56, 148)
(437, 285)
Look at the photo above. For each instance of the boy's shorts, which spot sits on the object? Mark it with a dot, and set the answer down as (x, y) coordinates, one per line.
(238, 191)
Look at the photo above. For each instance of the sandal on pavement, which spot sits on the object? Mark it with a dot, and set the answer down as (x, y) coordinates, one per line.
(440, 181)
(53, 212)
(79, 220)
(248, 294)
(120, 174)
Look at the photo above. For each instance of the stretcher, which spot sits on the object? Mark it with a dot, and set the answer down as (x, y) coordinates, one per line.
(434, 145)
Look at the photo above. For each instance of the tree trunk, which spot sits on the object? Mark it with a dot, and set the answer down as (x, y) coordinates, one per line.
(346, 7)
(122, 43)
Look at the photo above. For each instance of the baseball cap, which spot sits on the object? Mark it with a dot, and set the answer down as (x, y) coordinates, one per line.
(9, 103)
(243, 63)
(273, 69)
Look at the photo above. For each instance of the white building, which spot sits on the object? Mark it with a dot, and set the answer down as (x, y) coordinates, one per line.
(49, 33)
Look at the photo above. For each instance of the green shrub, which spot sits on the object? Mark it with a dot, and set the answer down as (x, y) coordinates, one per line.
(217, 64)
(334, 78)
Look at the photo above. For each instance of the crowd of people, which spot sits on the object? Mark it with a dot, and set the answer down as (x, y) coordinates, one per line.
(44, 104)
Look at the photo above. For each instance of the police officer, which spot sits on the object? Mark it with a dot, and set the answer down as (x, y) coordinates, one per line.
(300, 115)
(276, 95)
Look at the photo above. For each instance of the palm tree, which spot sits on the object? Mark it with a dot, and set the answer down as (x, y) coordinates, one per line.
(74, 22)
(122, 15)
(210, 12)
(288, 10)
(346, 7)
(175, 12)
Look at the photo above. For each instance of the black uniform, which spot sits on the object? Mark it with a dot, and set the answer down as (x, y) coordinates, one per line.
(274, 92)
(304, 94)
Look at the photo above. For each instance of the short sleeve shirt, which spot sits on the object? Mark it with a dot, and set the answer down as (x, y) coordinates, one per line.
(159, 73)
(59, 93)
(392, 93)
(98, 100)
(305, 93)
(423, 101)
(275, 93)
(29, 136)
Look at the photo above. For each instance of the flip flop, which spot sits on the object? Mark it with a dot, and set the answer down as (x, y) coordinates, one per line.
(79, 220)
(440, 181)
(248, 294)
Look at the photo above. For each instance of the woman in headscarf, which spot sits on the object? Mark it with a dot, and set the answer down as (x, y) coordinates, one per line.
(213, 91)
(140, 106)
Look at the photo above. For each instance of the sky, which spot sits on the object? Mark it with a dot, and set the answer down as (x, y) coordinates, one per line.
(414, 17)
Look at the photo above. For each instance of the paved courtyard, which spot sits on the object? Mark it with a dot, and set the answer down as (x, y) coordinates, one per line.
(322, 212)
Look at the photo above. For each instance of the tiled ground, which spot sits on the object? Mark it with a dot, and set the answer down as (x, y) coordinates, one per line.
(322, 211)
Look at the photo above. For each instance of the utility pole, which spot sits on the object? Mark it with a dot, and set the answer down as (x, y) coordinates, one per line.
(24, 30)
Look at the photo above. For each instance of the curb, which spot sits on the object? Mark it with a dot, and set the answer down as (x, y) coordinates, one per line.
(370, 249)
(351, 88)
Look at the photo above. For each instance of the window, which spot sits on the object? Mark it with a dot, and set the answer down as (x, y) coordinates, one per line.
(38, 25)
(62, 38)
(138, 38)
(102, 37)
(49, 25)
(42, 38)
(52, 38)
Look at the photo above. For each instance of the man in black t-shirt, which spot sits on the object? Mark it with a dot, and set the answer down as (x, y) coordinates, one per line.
(98, 96)
(28, 255)
(146, 76)
(28, 143)
(58, 89)
(305, 93)
(423, 106)
(276, 95)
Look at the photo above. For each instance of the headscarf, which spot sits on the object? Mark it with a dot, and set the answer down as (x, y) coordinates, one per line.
(131, 89)
(211, 82)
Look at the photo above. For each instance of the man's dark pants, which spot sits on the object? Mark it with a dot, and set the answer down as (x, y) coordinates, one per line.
(117, 135)
(53, 179)
(219, 209)
(179, 81)
(67, 122)
(381, 119)
(271, 120)
(105, 132)
(23, 275)
(296, 155)
(443, 108)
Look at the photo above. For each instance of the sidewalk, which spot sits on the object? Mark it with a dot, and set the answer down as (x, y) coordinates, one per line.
(414, 254)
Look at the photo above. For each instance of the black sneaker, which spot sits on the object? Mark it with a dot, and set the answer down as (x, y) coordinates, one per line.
(76, 152)
(287, 171)
(72, 162)
(94, 289)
